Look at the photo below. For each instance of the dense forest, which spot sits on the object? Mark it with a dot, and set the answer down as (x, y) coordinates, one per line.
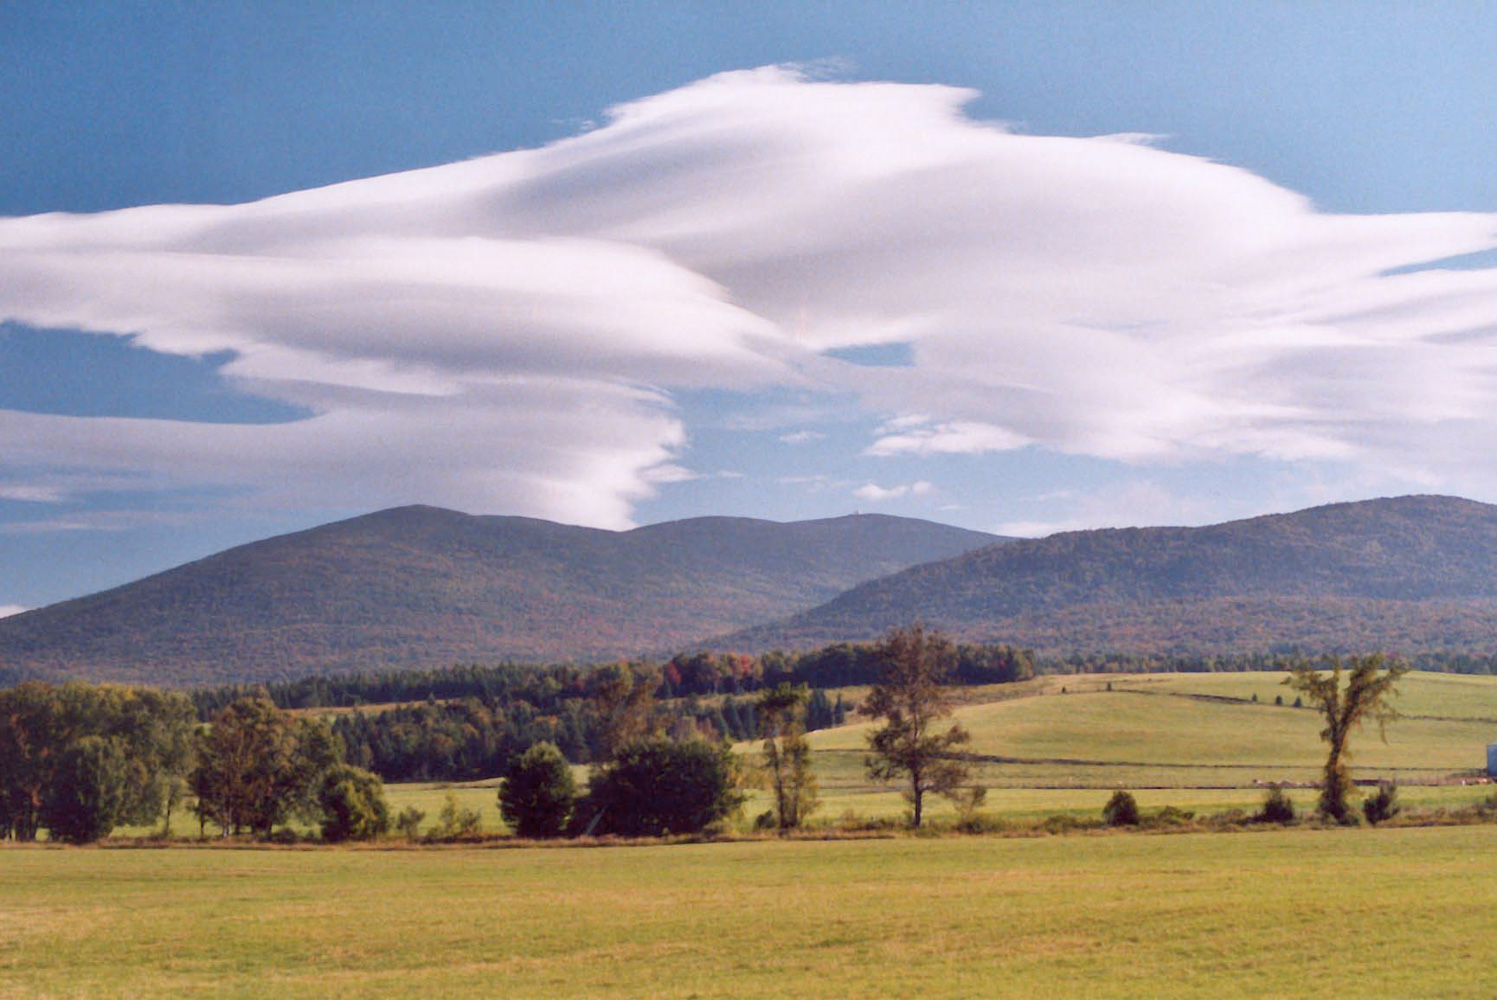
(468, 722)
(698, 673)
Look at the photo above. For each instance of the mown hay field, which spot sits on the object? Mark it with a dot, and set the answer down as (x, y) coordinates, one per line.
(1303, 912)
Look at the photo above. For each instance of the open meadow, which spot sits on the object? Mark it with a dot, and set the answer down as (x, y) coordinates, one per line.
(1307, 913)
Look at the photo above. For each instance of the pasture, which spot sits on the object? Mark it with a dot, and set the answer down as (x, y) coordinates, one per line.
(1308, 913)
(1194, 741)
(1405, 911)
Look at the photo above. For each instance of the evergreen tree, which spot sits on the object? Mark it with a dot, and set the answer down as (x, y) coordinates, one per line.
(536, 799)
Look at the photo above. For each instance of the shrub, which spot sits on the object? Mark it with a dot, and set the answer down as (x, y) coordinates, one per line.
(1121, 809)
(1227, 819)
(981, 823)
(657, 786)
(352, 802)
(1171, 816)
(1064, 823)
(1276, 808)
(454, 821)
(1382, 805)
(409, 822)
(537, 798)
(968, 801)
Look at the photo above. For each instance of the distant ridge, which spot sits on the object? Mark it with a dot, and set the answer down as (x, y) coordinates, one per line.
(1405, 574)
(425, 587)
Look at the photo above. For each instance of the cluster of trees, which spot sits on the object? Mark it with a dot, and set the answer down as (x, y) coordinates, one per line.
(838, 665)
(701, 674)
(79, 760)
(650, 784)
(259, 766)
(469, 738)
(645, 781)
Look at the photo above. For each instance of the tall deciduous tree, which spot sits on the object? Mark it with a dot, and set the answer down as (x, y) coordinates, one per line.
(787, 755)
(92, 790)
(257, 765)
(911, 698)
(1369, 685)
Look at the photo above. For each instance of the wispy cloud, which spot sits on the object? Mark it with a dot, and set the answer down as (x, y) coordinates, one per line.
(1139, 503)
(506, 333)
(874, 493)
(32, 494)
(6, 610)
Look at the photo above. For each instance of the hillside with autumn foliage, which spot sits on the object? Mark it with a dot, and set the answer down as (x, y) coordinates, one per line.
(1406, 574)
(421, 587)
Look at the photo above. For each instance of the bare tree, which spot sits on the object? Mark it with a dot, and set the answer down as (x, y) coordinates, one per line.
(911, 696)
(1364, 696)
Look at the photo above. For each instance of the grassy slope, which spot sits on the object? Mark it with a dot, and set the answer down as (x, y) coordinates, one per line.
(1410, 912)
(1154, 733)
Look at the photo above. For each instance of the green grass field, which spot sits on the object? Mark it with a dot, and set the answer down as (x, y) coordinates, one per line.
(1194, 741)
(1305, 913)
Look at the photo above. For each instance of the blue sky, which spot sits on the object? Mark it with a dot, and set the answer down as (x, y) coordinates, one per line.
(1021, 267)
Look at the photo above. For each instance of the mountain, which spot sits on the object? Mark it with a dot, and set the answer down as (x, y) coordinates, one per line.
(422, 587)
(1405, 574)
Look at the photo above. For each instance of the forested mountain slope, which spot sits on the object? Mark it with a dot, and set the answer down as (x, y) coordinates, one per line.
(1401, 574)
(420, 587)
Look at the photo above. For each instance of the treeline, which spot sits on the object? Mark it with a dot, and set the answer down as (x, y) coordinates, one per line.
(468, 722)
(79, 760)
(468, 739)
(702, 673)
(1442, 662)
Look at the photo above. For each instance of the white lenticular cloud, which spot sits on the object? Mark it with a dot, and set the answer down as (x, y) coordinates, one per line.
(505, 333)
